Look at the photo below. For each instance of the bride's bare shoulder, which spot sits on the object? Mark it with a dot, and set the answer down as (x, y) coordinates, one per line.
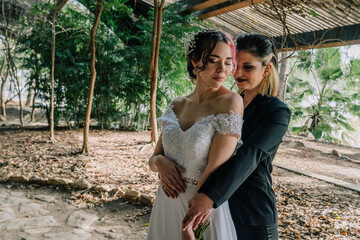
(179, 103)
(231, 101)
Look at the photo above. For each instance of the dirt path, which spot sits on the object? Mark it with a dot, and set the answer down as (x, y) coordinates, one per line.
(319, 158)
(308, 208)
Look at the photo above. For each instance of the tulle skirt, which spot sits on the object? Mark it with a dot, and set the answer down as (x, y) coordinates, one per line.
(167, 214)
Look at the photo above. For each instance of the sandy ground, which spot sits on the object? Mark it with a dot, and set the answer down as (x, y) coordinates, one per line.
(308, 208)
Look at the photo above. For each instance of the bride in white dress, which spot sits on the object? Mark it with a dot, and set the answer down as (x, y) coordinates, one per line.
(200, 132)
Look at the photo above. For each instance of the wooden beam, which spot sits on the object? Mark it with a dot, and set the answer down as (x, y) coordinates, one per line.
(189, 6)
(205, 4)
(339, 36)
(225, 7)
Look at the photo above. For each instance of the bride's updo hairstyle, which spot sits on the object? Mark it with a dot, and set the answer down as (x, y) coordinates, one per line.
(201, 46)
(262, 48)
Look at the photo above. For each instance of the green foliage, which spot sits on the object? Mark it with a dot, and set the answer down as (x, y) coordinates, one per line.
(323, 94)
(122, 86)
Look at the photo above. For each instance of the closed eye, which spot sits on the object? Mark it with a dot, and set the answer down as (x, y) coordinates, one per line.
(248, 67)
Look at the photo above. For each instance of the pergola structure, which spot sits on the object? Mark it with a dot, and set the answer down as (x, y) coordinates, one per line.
(293, 24)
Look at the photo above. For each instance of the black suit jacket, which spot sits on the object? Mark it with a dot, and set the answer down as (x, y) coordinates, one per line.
(245, 178)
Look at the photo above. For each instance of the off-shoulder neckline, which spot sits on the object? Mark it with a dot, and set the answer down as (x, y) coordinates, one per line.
(171, 106)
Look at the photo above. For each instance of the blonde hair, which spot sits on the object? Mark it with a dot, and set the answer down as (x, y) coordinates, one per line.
(269, 86)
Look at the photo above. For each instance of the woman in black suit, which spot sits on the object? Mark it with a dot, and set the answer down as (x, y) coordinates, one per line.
(245, 179)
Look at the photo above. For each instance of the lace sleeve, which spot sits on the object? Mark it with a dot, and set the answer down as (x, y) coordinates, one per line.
(228, 123)
(168, 117)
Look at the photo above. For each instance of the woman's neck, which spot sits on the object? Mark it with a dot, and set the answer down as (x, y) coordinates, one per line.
(202, 94)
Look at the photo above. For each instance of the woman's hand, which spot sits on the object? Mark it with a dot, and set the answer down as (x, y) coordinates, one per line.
(200, 206)
(170, 179)
(188, 234)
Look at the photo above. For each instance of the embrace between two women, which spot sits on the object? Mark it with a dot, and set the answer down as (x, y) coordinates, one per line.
(214, 156)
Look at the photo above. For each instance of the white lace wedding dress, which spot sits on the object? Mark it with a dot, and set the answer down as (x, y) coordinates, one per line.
(190, 150)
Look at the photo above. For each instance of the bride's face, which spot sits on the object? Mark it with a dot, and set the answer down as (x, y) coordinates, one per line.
(218, 66)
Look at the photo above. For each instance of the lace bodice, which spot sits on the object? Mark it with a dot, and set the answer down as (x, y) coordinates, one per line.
(190, 148)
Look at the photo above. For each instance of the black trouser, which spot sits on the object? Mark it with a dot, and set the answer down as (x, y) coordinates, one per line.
(267, 232)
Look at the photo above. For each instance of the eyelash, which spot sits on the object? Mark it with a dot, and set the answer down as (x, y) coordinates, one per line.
(248, 67)
(213, 61)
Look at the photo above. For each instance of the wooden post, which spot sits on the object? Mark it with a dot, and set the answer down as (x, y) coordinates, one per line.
(154, 61)
(93, 76)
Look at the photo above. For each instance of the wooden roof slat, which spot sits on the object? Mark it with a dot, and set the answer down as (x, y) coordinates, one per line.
(320, 8)
(357, 13)
(275, 27)
(226, 7)
(328, 22)
(217, 20)
(250, 25)
(318, 22)
(293, 25)
(310, 22)
(352, 13)
(256, 15)
(267, 20)
(292, 21)
(245, 12)
(338, 13)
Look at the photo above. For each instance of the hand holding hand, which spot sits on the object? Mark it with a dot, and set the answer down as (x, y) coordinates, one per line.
(200, 206)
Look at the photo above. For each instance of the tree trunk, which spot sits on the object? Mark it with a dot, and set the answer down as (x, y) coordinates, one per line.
(31, 92)
(20, 102)
(33, 109)
(36, 82)
(154, 70)
(3, 99)
(93, 76)
(153, 40)
(284, 73)
(52, 135)
(3, 88)
(59, 5)
(12, 71)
